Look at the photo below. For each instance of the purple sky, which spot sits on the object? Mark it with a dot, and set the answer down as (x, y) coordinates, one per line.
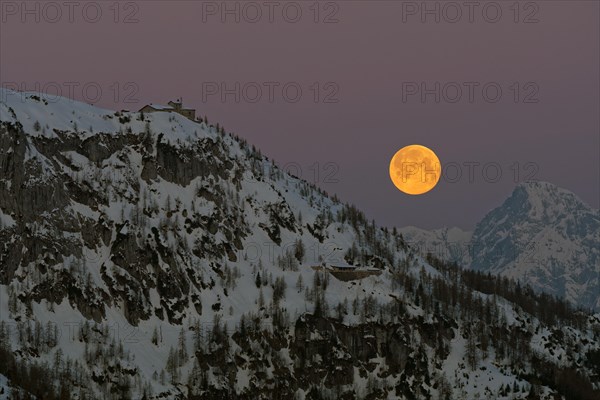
(371, 57)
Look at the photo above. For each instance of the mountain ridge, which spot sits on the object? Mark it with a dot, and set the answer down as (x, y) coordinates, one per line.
(540, 233)
(150, 256)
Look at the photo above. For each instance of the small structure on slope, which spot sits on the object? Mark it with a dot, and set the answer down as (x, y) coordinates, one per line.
(346, 272)
(173, 106)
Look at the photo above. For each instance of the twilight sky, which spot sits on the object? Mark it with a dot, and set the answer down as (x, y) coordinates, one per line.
(368, 86)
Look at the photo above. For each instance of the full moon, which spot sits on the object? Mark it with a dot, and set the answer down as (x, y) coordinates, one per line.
(415, 169)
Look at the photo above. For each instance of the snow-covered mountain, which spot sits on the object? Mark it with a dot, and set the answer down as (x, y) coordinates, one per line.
(545, 236)
(449, 244)
(542, 235)
(151, 256)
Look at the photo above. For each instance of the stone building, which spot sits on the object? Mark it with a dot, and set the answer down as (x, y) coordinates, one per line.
(173, 106)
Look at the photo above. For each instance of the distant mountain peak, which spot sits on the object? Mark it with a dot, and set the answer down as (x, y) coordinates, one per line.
(540, 189)
(541, 201)
(542, 235)
(546, 236)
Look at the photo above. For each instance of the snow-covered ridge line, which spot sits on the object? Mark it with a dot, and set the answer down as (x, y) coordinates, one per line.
(41, 114)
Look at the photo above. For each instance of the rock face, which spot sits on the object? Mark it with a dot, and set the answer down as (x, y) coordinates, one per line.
(547, 237)
(37, 200)
(43, 189)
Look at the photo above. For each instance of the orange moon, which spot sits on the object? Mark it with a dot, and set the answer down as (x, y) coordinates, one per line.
(415, 169)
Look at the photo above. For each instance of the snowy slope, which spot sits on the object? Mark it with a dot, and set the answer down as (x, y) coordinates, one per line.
(4, 388)
(136, 249)
(450, 244)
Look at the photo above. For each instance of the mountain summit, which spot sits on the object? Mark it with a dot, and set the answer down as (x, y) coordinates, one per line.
(545, 236)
